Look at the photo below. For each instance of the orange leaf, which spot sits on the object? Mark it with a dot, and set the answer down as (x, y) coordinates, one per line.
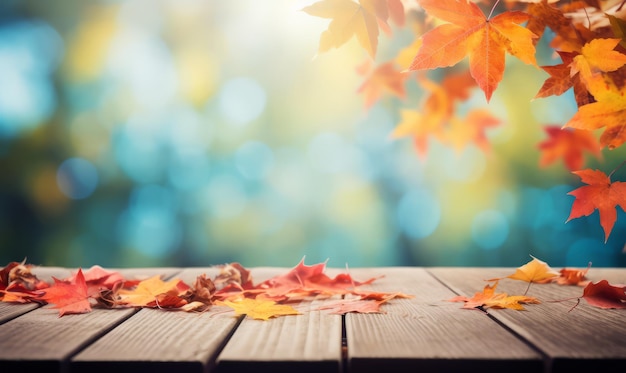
(607, 112)
(68, 297)
(385, 78)
(534, 271)
(471, 129)
(488, 298)
(484, 40)
(573, 276)
(154, 292)
(598, 56)
(568, 144)
(259, 309)
(601, 194)
(357, 305)
(349, 19)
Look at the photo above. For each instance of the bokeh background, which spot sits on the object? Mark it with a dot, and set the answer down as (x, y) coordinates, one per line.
(189, 132)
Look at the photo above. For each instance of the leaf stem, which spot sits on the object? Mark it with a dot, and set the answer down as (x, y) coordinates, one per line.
(494, 8)
(528, 287)
(617, 168)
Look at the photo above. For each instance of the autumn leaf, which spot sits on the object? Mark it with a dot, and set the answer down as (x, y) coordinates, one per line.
(154, 292)
(259, 309)
(604, 295)
(484, 40)
(357, 305)
(68, 297)
(383, 79)
(488, 298)
(569, 276)
(569, 145)
(596, 56)
(608, 112)
(349, 19)
(536, 271)
(599, 194)
(470, 130)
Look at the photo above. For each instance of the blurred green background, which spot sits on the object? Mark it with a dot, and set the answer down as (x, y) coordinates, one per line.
(182, 133)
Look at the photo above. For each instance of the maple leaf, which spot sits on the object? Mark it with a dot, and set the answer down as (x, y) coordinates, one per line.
(357, 305)
(570, 276)
(384, 78)
(349, 19)
(536, 271)
(542, 15)
(604, 295)
(568, 144)
(69, 298)
(608, 111)
(471, 130)
(597, 56)
(484, 40)
(599, 194)
(154, 292)
(488, 298)
(260, 309)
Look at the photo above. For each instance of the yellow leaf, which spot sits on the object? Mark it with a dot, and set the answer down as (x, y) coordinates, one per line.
(148, 292)
(259, 309)
(349, 19)
(534, 271)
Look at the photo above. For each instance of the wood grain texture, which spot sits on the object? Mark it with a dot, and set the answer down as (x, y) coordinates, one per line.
(41, 340)
(426, 333)
(585, 337)
(310, 342)
(160, 340)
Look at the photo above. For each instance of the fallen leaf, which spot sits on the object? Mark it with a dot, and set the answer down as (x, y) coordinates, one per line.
(599, 194)
(69, 298)
(484, 40)
(488, 298)
(570, 276)
(154, 292)
(259, 309)
(604, 295)
(536, 271)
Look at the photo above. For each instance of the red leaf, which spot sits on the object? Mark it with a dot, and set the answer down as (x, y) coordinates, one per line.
(69, 297)
(604, 295)
(600, 194)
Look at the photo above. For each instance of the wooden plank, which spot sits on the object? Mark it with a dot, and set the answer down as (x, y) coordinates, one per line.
(310, 342)
(9, 311)
(161, 341)
(42, 340)
(583, 338)
(426, 333)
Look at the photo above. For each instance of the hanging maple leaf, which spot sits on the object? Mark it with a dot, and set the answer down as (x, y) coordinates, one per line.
(488, 298)
(260, 309)
(597, 56)
(604, 295)
(599, 194)
(349, 19)
(608, 112)
(561, 79)
(484, 40)
(383, 79)
(568, 144)
(154, 292)
(69, 298)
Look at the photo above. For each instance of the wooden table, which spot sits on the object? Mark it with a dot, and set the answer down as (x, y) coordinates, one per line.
(425, 333)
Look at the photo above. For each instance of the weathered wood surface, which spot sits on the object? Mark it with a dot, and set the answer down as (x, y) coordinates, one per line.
(576, 339)
(425, 333)
(310, 342)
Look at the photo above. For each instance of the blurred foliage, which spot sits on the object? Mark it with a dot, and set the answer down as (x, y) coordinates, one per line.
(187, 132)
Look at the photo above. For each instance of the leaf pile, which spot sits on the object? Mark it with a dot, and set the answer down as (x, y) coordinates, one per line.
(600, 294)
(232, 287)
